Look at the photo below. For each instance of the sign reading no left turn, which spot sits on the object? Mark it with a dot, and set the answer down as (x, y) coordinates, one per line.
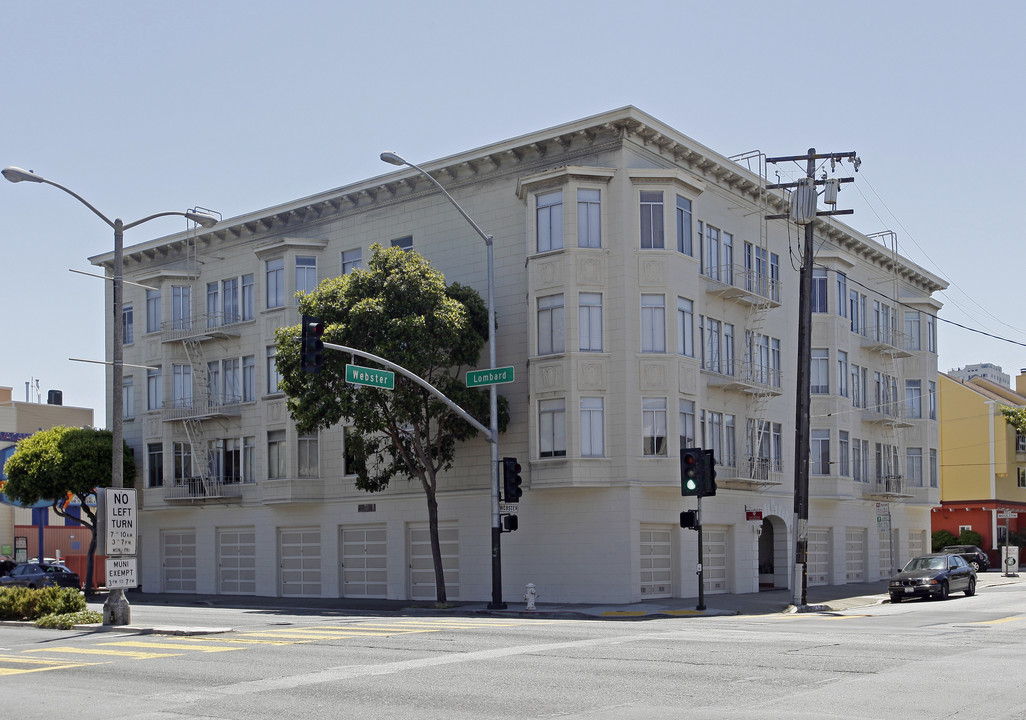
(120, 521)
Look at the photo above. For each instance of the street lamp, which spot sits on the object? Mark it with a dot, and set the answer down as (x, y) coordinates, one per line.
(493, 426)
(116, 610)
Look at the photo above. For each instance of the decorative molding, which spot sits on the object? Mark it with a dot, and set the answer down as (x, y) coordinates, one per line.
(591, 374)
(653, 375)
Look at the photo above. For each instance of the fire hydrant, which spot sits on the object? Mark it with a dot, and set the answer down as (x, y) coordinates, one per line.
(530, 596)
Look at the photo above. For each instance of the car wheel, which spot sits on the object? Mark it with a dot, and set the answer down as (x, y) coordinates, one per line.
(975, 566)
(970, 589)
(895, 598)
(944, 591)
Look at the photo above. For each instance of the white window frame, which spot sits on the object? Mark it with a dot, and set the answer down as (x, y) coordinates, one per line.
(552, 428)
(274, 273)
(549, 220)
(653, 424)
(685, 327)
(273, 376)
(592, 427)
(589, 320)
(306, 273)
(589, 218)
(819, 372)
(551, 326)
(685, 243)
(351, 260)
(653, 323)
(652, 230)
(308, 453)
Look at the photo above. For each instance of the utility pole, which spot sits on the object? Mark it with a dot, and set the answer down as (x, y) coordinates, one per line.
(803, 212)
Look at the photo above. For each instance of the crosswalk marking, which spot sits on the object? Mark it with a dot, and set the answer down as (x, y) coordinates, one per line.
(171, 646)
(30, 665)
(112, 653)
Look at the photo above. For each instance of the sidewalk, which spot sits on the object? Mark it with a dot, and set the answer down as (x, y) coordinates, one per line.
(834, 598)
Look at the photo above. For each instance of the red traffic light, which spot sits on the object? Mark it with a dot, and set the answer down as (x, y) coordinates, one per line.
(315, 328)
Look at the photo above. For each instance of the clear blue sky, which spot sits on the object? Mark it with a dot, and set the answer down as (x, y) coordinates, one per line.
(144, 107)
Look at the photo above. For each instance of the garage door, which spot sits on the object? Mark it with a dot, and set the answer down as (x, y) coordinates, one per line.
(714, 558)
(178, 563)
(422, 567)
(364, 567)
(818, 568)
(855, 554)
(300, 553)
(236, 561)
(916, 542)
(656, 576)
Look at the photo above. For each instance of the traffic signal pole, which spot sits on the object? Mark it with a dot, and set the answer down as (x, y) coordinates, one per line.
(701, 567)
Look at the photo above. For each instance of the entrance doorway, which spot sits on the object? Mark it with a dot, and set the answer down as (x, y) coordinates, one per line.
(772, 553)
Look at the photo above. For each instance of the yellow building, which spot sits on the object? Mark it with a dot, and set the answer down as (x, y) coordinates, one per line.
(983, 460)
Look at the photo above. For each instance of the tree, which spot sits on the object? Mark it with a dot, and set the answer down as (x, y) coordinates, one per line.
(398, 308)
(64, 463)
(1016, 417)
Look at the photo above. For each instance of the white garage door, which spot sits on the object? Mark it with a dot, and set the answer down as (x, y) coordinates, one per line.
(300, 553)
(364, 567)
(818, 568)
(656, 576)
(422, 567)
(178, 564)
(714, 558)
(236, 561)
(855, 554)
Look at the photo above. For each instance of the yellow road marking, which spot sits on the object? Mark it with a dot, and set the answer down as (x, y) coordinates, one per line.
(999, 620)
(36, 665)
(93, 651)
(683, 612)
(170, 646)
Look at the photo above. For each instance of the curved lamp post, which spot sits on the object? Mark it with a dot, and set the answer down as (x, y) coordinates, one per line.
(496, 604)
(116, 610)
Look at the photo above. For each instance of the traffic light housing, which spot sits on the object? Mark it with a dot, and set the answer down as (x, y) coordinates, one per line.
(312, 347)
(510, 523)
(511, 480)
(689, 520)
(697, 472)
(708, 475)
(691, 460)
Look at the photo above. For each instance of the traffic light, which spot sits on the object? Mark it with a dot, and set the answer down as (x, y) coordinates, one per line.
(511, 480)
(691, 460)
(312, 346)
(510, 523)
(689, 520)
(707, 475)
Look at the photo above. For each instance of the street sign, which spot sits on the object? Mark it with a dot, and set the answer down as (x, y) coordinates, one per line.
(509, 507)
(122, 573)
(119, 521)
(357, 375)
(494, 376)
(1008, 515)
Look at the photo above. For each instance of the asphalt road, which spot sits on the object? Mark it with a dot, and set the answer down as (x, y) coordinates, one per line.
(922, 659)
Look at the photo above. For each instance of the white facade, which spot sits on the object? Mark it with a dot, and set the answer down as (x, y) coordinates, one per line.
(987, 371)
(645, 307)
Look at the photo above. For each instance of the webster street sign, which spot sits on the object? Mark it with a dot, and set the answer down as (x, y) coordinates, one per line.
(358, 375)
(494, 376)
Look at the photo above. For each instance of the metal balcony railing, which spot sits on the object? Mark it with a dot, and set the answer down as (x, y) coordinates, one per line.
(202, 406)
(196, 488)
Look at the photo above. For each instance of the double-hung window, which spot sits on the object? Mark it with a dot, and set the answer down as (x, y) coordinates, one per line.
(652, 231)
(842, 373)
(552, 428)
(181, 307)
(914, 466)
(154, 465)
(589, 218)
(277, 465)
(550, 325)
(844, 452)
(842, 294)
(306, 274)
(351, 260)
(152, 311)
(275, 274)
(687, 423)
(589, 316)
(931, 396)
(230, 301)
(127, 323)
(128, 397)
(685, 327)
(248, 378)
(403, 243)
(273, 376)
(819, 448)
(653, 323)
(912, 330)
(819, 290)
(308, 456)
(182, 385)
(684, 244)
(914, 399)
(549, 214)
(592, 427)
(248, 295)
(820, 371)
(653, 411)
(154, 389)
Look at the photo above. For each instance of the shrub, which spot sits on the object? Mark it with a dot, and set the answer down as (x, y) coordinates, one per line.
(943, 538)
(969, 537)
(67, 621)
(18, 603)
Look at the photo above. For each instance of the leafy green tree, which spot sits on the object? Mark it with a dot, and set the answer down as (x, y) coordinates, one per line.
(398, 308)
(63, 463)
(941, 539)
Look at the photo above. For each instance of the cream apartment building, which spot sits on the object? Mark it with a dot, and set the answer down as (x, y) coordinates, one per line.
(645, 306)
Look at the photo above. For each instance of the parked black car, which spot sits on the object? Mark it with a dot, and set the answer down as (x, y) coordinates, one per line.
(39, 575)
(935, 575)
(972, 555)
